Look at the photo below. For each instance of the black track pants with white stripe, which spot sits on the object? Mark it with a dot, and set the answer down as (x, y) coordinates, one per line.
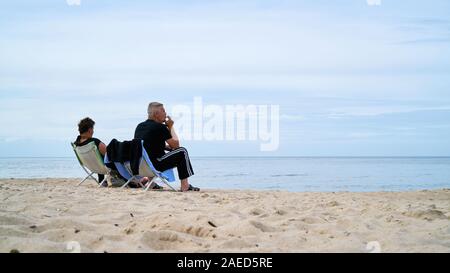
(177, 158)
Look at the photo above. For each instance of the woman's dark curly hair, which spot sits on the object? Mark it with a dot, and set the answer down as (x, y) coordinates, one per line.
(85, 124)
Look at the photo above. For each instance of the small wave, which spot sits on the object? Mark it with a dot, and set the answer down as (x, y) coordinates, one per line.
(235, 174)
(289, 175)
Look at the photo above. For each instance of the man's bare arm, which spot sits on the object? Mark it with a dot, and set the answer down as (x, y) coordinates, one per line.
(174, 142)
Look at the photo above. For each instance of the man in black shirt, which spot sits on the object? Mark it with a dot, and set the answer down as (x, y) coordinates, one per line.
(156, 131)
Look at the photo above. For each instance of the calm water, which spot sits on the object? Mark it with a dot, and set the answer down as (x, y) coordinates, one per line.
(292, 174)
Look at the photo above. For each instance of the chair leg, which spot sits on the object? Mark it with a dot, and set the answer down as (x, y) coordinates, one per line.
(167, 183)
(86, 178)
(91, 176)
(128, 182)
(95, 179)
(89, 173)
(150, 183)
(101, 183)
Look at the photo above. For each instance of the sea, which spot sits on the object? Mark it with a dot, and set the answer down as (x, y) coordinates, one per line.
(296, 174)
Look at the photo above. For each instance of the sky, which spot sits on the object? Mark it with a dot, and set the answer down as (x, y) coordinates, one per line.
(350, 77)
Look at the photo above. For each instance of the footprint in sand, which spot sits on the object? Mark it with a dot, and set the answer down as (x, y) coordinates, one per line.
(280, 212)
(198, 231)
(429, 215)
(161, 240)
(7, 220)
(256, 211)
(310, 220)
(262, 227)
(236, 244)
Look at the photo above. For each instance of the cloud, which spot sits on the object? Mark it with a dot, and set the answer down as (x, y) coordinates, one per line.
(316, 60)
(365, 135)
(373, 2)
(292, 117)
(425, 31)
(200, 39)
(425, 41)
(73, 2)
(372, 111)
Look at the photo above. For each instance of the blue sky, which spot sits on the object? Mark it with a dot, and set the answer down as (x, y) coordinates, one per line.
(351, 79)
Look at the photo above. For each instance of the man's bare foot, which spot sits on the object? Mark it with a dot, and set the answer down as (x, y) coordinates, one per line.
(144, 180)
(184, 186)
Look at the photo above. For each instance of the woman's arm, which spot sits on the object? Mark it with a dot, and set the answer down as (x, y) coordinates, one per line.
(102, 148)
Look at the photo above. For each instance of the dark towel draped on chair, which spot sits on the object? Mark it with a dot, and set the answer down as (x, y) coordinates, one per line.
(125, 151)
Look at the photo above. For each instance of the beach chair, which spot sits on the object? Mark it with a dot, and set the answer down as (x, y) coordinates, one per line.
(146, 169)
(126, 173)
(91, 161)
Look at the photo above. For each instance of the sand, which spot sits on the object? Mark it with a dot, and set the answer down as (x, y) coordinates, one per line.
(54, 215)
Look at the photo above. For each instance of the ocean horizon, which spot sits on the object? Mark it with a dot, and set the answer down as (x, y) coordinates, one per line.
(290, 173)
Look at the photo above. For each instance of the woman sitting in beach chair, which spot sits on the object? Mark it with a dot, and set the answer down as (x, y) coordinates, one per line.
(86, 129)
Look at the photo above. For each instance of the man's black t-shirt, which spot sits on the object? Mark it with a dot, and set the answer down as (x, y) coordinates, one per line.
(154, 135)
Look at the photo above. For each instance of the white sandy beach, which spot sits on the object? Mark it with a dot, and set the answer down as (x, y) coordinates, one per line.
(43, 215)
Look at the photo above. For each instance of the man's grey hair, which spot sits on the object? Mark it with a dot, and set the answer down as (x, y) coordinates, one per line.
(152, 107)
